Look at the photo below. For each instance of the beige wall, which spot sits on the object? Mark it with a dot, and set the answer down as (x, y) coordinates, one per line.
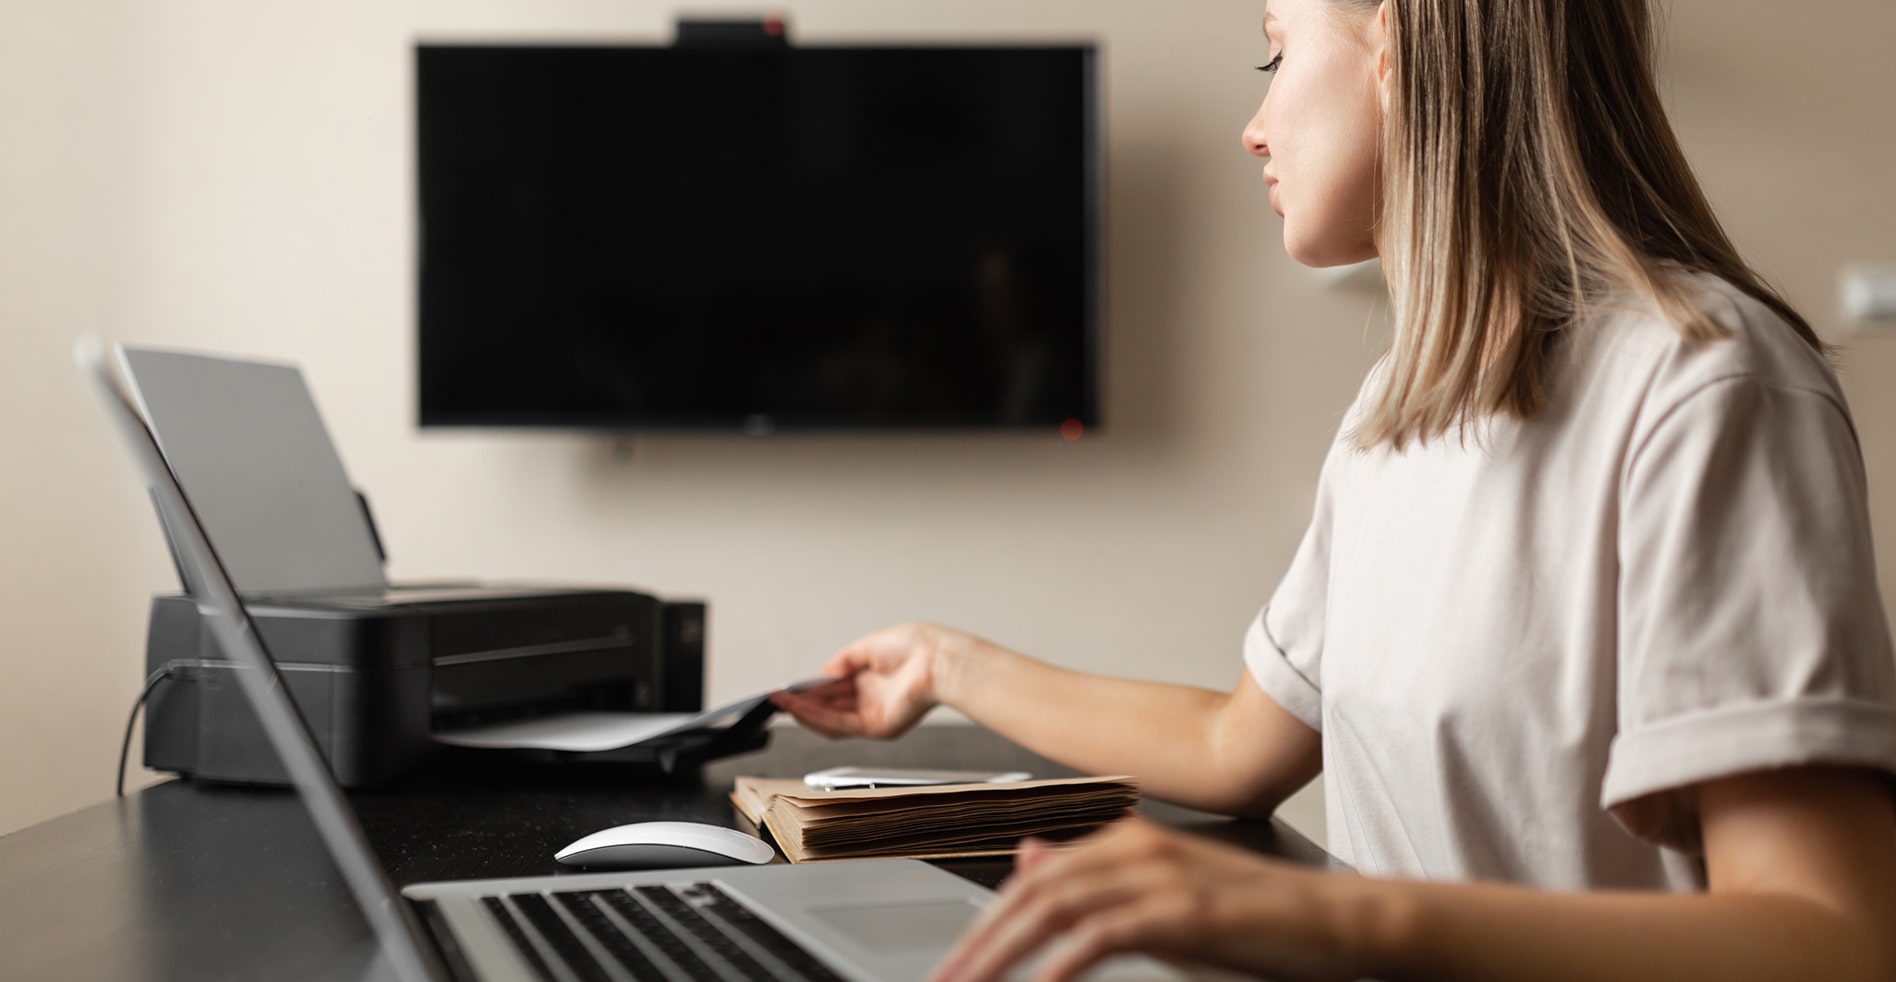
(235, 176)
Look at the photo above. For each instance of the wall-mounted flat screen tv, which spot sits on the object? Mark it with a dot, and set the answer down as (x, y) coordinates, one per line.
(805, 237)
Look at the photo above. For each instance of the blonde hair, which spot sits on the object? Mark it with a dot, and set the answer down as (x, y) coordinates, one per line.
(1528, 174)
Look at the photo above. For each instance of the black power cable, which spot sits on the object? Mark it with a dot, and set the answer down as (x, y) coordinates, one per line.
(125, 748)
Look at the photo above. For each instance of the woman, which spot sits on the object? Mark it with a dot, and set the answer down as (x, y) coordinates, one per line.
(1585, 632)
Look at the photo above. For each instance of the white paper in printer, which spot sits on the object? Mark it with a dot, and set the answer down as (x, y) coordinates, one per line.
(589, 732)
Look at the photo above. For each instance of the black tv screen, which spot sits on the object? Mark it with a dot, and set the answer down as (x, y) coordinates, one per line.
(754, 238)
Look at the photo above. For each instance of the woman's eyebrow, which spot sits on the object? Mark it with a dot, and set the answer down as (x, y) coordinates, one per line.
(1270, 17)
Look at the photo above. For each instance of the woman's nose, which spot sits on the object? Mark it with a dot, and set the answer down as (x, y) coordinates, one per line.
(1253, 136)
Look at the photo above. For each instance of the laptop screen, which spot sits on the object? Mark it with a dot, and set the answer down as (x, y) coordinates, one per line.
(394, 924)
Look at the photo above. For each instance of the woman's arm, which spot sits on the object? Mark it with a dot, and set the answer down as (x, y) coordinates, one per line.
(1802, 867)
(1237, 753)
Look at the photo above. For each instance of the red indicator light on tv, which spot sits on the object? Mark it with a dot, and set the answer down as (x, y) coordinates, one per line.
(1072, 430)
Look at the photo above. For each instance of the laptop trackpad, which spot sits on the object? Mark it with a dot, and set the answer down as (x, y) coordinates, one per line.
(889, 928)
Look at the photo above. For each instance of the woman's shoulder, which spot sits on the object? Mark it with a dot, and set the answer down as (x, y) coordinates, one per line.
(1639, 344)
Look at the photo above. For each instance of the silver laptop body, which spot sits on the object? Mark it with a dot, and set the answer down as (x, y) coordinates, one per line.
(860, 920)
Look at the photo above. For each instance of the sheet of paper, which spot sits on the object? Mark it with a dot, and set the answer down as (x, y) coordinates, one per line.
(588, 732)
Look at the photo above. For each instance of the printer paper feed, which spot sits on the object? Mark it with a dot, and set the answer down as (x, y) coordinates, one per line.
(590, 732)
(250, 450)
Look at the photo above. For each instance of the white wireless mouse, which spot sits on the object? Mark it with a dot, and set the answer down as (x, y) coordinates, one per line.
(665, 845)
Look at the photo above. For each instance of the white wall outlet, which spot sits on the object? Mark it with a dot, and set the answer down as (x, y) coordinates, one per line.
(1869, 295)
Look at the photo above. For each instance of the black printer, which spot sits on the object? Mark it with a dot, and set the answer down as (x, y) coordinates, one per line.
(376, 675)
(377, 669)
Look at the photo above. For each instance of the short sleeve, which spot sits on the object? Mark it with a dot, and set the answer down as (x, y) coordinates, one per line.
(1751, 634)
(1284, 647)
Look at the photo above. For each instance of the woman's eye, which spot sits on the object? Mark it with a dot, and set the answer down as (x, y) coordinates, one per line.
(1271, 69)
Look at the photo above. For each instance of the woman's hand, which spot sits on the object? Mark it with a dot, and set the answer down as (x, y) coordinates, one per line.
(1137, 888)
(885, 683)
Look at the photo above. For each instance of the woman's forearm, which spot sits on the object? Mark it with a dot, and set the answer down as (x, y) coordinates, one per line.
(1487, 931)
(1801, 864)
(1179, 741)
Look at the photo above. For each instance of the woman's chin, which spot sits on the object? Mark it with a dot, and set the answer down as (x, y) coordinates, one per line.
(1323, 254)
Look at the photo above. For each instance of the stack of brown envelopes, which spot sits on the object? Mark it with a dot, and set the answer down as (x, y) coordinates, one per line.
(932, 822)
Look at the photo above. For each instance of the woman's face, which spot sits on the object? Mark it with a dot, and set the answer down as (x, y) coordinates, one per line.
(1318, 128)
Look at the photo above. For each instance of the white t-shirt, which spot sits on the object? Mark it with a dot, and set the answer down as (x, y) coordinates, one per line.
(1517, 650)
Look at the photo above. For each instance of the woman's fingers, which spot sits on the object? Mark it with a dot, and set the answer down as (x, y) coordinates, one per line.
(852, 711)
(1131, 887)
(1142, 924)
(845, 663)
(879, 687)
(1032, 852)
(818, 715)
(798, 705)
(844, 699)
(1061, 892)
(1069, 910)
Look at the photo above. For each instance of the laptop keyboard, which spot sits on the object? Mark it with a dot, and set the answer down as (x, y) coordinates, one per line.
(690, 931)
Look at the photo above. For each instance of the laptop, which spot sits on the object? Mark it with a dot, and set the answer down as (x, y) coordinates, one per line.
(857, 920)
